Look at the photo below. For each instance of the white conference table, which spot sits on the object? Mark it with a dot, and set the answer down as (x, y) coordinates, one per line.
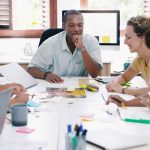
(50, 120)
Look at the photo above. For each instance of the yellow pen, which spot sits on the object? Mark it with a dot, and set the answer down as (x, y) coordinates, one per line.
(91, 89)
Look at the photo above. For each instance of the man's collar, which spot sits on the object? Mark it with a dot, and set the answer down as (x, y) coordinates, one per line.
(64, 43)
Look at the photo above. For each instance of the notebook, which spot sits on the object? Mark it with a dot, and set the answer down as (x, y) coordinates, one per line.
(4, 98)
(13, 72)
(113, 140)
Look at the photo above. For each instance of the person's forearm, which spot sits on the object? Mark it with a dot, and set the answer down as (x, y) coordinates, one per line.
(136, 92)
(92, 67)
(135, 102)
(2, 88)
(36, 72)
(120, 79)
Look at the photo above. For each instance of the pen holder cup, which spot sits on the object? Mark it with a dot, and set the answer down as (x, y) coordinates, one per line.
(75, 142)
(19, 115)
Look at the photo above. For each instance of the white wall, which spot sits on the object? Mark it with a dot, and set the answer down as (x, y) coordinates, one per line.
(118, 55)
(15, 46)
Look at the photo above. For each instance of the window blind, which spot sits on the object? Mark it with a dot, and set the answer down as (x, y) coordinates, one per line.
(37, 16)
(4, 14)
(147, 7)
(45, 13)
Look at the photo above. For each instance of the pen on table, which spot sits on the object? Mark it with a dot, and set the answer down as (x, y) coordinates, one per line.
(91, 89)
(119, 113)
(145, 121)
(99, 146)
(100, 80)
(103, 97)
(107, 111)
(32, 96)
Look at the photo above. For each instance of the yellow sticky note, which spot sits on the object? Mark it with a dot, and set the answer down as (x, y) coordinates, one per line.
(87, 117)
(105, 39)
(83, 86)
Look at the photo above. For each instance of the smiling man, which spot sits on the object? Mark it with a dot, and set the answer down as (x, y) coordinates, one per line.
(69, 53)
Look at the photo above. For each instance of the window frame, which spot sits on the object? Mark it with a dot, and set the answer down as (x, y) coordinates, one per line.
(9, 33)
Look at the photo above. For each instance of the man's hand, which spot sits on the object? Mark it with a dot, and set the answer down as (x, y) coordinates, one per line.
(77, 39)
(52, 78)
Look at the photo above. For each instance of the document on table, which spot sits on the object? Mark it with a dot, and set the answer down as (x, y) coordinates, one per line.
(64, 92)
(135, 113)
(113, 140)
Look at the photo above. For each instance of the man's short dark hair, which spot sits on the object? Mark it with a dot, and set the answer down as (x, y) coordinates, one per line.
(70, 12)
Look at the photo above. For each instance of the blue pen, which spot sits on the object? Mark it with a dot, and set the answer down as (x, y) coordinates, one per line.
(81, 127)
(69, 128)
(68, 137)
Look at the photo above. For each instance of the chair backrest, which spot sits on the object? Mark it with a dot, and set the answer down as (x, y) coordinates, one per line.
(48, 33)
(4, 101)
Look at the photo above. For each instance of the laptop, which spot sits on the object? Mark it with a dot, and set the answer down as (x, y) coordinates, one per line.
(13, 72)
(113, 140)
(4, 99)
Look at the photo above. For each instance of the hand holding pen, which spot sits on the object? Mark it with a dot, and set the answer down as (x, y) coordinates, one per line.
(117, 100)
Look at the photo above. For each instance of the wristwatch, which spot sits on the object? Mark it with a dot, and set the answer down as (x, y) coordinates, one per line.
(81, 49)
(45, 75)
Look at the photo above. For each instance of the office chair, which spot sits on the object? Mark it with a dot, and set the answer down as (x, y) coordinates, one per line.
(48, 33)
